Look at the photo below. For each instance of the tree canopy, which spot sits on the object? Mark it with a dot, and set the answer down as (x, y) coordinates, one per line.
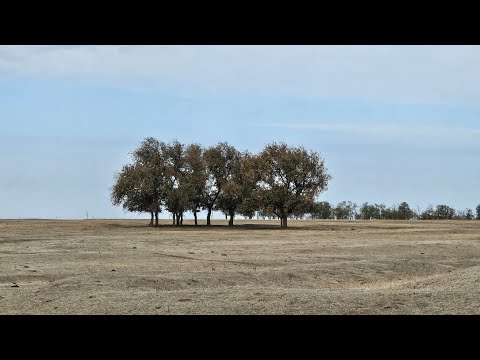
(281, 180)
(290, 179)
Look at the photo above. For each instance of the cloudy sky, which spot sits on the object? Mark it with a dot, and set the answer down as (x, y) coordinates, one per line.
(394, 123)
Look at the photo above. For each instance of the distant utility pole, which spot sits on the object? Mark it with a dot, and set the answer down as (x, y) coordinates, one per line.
(87, 214)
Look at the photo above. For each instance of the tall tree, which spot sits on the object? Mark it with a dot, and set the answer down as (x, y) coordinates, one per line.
(321, 210)
(131, 191)
(291, 178)
(379, 211)
(250, 177)
(139, 186)
(468, 214)
(404, 212)
(391, 213)
(176, 190)
(478, 212)
(428, 214)
(237, 191)
(195, 177)
(365, 212)
(345, 210)
(444, 212)
(220, 161)
(368, 212)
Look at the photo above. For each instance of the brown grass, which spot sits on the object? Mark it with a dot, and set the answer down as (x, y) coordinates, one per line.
(314, 267)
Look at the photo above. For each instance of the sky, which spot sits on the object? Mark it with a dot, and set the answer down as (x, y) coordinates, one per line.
(393, 123)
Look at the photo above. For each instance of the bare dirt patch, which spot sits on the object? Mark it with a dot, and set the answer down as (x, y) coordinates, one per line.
(313, 267)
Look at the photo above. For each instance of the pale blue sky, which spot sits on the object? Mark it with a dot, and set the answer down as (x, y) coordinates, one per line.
(394, 123)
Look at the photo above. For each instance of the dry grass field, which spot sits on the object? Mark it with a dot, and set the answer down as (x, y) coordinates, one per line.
(314, 267)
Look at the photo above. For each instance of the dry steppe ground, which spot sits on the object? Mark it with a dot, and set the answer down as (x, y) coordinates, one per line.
(314, 267)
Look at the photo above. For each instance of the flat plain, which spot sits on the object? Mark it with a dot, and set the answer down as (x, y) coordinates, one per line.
(254, 267)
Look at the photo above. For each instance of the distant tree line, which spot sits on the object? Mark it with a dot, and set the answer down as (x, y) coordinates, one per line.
(281, 181)
(348, 210)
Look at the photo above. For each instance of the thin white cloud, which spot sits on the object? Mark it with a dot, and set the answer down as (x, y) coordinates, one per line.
(458, 134)
(419, 74)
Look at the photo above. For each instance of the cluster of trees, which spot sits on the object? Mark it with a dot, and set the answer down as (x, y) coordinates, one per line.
(280, 181)
(348, 210)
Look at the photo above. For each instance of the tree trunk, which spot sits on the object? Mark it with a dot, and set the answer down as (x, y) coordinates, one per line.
(178, 219)
(232, 214)
(173, 218)
(283, 221)
(195, 215)
(156, 218)
(208, 216)
(151, 219)
(181, 219)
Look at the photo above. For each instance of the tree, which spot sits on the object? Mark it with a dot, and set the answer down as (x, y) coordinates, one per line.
(290, 179)
(404, 212)
(195, 177)
(367, 212)
(230, 196)
(428, 214)
(345, 210)
(391, 213)
(444, 212)
(478, 212)
(250, 178)
(139, 186)
(220, 161)
(468, 214)
(176, 189)
(460, 215)
(130, 191)
(321, 210)
(238, 189)
(379, 211)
